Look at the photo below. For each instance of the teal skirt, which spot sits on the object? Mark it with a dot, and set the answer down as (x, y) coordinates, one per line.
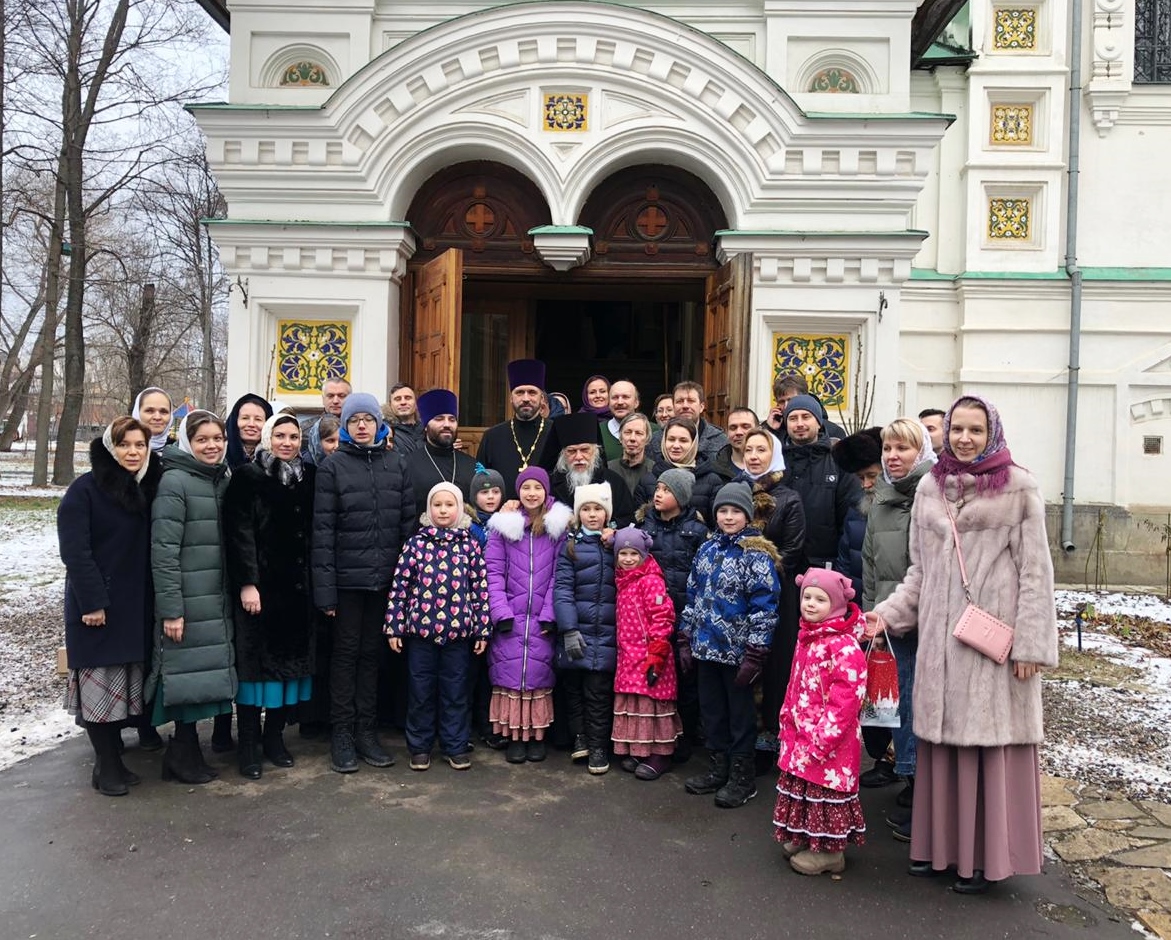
(275, 694)
(161, 713)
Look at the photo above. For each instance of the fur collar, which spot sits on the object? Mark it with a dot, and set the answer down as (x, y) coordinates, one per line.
(759, 543)
(120, 486)
(511, 525)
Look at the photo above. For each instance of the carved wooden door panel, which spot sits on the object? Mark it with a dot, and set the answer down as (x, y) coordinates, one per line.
(438, 302)
(727, 315)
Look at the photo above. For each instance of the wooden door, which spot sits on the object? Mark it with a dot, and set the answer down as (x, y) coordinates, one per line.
(727, 315)
(438, 302)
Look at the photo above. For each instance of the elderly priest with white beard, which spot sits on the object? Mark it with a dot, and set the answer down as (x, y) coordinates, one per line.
(574, 457)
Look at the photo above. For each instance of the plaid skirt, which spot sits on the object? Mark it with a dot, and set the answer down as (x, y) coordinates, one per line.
(105, 693)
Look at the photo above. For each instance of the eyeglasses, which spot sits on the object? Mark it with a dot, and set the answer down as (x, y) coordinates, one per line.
(361, 419)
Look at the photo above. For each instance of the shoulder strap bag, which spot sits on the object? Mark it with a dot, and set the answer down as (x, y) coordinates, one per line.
(976, 627)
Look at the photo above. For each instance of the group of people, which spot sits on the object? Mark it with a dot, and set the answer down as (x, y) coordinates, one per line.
(623, 585)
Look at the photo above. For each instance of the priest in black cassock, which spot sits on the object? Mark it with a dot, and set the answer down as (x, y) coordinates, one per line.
(574, 456)
(436, 460)
(514, 445)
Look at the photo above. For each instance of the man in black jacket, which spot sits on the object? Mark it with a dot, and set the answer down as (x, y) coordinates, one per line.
(363, 511)
(437, 460)
(826, 492)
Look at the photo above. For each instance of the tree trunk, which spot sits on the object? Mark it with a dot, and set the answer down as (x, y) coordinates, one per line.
(139, 343)
(206, 291)
(48, 337)
(16, 415)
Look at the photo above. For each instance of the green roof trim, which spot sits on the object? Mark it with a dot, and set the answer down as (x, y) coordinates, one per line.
(1126, 274)
(881, 116)
(561, 230)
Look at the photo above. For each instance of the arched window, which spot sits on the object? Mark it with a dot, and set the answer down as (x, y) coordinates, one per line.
(1152, 41)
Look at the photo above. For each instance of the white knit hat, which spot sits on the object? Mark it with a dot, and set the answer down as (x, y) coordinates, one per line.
(599, 493)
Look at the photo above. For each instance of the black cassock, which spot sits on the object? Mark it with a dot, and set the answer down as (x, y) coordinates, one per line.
(498, 451)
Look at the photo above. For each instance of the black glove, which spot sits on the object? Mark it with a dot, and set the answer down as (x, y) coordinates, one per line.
(686, 662)
(652, 676)
(505, 626)
(751, 666)
(547, 626)
(574, 645)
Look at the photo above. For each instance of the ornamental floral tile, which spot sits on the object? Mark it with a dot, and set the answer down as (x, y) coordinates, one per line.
(1015, 29)
(835, 81)
(566, 112)
(309, 353)
(1009, 218)
(823, 360)
(1012, 125)
(305, 73)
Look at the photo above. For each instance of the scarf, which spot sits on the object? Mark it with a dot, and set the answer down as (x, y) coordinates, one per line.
(287, 472)
(184, 443)
(108, 443)
(157, 441)
(237, 455)
(603, 413)
(925, 455)
(991, 469)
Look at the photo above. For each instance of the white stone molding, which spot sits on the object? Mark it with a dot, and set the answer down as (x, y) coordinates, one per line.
(562, 248)
(821, 260)
(1112, 67)
(380, 252)
(425, 104)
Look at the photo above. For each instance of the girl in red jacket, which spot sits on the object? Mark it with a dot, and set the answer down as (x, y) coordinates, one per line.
(817, 810)
(646, 722)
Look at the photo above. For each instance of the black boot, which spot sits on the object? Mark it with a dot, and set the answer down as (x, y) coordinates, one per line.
(716, 776)
(368, 748)
(273, 740)
(107, 774)
(149, 739)
(221, 734)
(183, 760)
(342, 756)
(741, 785)
(248, 735)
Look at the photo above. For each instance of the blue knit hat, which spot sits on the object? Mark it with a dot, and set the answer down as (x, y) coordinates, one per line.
(361, 403)
(806, 403)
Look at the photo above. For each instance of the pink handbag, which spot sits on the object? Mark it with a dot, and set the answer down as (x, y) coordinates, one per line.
(976, 627)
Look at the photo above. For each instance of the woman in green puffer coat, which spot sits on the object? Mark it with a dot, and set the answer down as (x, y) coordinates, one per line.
(886, 555)
(193, 675)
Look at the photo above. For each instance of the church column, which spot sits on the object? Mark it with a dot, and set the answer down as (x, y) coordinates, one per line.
(310, 300)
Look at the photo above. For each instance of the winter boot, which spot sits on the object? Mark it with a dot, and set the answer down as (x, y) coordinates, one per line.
(183, 760)
(149, 738)
(248, 741)
(580, 749)
(221, 734)
(368, 748)
(516, 752)
(653, 767)
(342, 756)
(273, 741)
(107, 773)
(818, 863)
(741, 785)
(716, 776)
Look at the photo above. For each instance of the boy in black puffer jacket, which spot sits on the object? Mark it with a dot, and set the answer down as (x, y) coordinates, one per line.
(677, 533)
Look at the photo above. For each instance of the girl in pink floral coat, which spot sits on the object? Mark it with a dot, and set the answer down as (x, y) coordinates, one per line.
(646, 722)
(818, 811)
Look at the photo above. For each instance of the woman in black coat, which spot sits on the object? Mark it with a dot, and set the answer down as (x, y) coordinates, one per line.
(103, 527)
(268, 517)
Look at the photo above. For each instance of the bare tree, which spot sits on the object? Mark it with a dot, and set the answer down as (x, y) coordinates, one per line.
(110, 128)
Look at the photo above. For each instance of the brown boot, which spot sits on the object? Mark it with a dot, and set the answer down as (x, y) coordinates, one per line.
(818, 863)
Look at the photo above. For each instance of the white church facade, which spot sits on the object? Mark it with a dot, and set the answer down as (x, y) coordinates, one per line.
(422, 191)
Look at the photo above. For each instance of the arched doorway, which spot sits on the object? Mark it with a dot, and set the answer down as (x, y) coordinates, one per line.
(477, 293)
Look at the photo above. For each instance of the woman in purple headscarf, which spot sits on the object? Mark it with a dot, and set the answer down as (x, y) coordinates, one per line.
(977, 803)
(595, 397)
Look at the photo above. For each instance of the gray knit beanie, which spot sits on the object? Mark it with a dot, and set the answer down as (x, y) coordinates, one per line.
(735, 494)
(681, 483)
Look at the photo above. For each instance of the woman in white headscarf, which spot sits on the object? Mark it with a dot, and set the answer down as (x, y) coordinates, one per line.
(153, 408)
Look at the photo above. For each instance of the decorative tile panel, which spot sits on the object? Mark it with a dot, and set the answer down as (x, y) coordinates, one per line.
(309, 353)
(835, 81)
(1015, 29)
(1009, 219)
(1012, 125)
(824, 361)
(565, 112)
(305, 73)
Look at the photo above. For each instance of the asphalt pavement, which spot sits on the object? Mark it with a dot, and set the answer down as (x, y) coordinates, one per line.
(500, 852)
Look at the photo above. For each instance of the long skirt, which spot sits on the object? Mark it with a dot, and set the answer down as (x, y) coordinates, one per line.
(978, 808)
(816, 817)
(276, 694)
(644, 726)
(521, 716)
(105, 693)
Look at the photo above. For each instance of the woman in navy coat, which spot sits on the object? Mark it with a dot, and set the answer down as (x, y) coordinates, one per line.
(103, 527)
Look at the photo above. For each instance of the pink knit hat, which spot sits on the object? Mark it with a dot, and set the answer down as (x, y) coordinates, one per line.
(835, 584)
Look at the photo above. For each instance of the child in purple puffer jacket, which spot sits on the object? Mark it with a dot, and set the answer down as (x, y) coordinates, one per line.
(522, 551)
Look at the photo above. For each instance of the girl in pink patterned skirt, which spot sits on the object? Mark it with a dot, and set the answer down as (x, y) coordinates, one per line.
(817, 810)
(646, 722)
